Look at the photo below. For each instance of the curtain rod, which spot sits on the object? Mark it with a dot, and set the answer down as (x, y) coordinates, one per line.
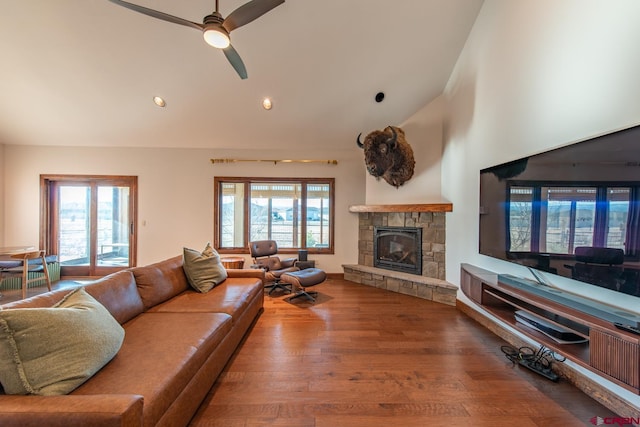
(329, 162)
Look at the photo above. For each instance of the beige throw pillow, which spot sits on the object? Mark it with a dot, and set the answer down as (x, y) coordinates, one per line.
(203, 269)
(53, 350)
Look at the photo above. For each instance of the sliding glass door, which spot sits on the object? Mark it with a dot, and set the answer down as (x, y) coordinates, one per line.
(90, 223)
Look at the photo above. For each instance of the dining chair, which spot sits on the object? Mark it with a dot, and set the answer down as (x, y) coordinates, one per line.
(32, 262)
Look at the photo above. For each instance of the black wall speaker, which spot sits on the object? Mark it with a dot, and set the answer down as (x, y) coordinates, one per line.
(302, 254)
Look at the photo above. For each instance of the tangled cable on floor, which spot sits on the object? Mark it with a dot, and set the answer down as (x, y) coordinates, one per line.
(538, 361)
(544, 356)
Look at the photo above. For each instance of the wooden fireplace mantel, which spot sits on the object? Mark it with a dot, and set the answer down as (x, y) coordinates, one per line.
(418, 207)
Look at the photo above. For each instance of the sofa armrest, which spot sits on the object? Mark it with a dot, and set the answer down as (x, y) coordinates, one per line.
(100, 410)
(258, 273)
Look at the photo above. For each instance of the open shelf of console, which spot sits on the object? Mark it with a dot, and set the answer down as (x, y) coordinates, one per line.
(603, 349)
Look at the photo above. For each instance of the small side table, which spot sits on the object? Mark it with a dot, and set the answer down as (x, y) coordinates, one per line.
(303, 265)
(232, 262)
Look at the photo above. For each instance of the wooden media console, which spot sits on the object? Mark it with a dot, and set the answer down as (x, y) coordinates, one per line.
(602, 348)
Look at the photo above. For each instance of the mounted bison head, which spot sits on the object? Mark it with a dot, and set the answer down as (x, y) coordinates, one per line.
(387, 154)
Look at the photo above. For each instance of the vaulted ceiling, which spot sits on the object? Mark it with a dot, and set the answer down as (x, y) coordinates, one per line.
(84, 73)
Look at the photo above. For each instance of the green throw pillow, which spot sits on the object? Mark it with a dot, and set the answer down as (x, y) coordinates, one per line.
(204, 270)
(50, 351)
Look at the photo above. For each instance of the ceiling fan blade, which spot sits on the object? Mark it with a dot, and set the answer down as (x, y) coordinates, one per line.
(236, 61)
(158, 15)
(248, 12)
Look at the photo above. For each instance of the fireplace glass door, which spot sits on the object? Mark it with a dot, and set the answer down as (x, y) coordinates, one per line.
(398, 249)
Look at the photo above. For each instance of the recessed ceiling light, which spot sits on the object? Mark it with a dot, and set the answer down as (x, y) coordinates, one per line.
(267, 104)
(159, 101)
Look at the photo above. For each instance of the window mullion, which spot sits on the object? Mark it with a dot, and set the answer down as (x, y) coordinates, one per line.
(572, 226)
(304, 215)
(600, 219)
(536, 225)
(270, 218)
(247, 214)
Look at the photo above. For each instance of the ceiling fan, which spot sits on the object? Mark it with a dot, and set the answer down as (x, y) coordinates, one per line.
(214, 27)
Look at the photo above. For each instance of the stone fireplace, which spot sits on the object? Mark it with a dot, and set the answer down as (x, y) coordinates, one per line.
(427, 278)
(433, 237)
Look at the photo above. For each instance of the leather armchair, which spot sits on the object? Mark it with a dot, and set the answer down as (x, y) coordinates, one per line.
(264, 254)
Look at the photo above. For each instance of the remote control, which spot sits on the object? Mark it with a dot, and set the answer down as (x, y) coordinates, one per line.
(627, 328)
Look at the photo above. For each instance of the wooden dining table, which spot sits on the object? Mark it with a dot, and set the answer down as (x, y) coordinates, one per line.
(12, 250)
(8, 251)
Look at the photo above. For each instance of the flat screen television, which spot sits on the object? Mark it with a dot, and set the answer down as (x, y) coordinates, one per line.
(573, 211)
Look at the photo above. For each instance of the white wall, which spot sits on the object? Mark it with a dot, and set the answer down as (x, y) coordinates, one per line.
(534, 75)
(2, 195)
(423, 131)
(175, 192)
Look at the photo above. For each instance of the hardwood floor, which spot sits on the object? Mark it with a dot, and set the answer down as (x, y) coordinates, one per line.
(366, 357)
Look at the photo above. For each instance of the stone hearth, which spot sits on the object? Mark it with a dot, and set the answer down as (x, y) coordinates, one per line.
(404, 283)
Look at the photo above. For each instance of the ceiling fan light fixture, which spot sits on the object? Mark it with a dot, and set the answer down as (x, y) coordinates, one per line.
(214, 28)
(217, 37)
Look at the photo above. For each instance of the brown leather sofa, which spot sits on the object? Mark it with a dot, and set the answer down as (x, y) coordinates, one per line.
(177, 341)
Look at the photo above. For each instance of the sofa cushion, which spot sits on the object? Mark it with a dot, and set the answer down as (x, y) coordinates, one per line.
(119, 294)
(233, 297)
(160, 281)
(203, 269)
(51, 351)
(160, 355)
